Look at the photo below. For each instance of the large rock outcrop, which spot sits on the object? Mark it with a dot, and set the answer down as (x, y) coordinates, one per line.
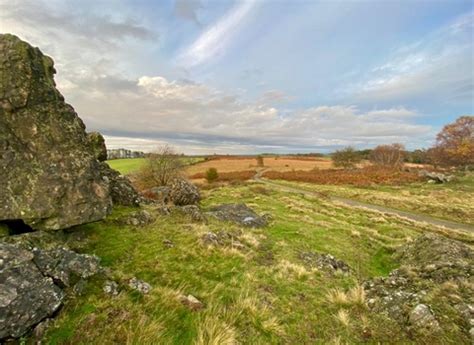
(49, 175)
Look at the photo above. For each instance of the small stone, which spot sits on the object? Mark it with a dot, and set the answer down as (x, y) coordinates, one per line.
(168, 243)
(111, 288)
(192, 302)
(422, 317)
(139, 285)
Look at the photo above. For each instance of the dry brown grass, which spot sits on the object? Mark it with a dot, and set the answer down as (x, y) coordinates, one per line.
(228, 176)
(360, 177)
(233, 164)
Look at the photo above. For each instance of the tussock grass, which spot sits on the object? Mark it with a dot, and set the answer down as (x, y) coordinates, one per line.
(259, 295)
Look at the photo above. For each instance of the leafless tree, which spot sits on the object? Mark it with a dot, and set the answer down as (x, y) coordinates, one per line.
(161, 167)
(388, 155)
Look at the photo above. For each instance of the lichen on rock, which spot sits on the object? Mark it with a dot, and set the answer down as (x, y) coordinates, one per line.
(49, 174)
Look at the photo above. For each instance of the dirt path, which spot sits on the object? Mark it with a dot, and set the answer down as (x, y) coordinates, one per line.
(355, 203)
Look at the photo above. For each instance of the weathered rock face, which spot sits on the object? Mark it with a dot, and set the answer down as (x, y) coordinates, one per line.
(32, 283)
(120, 188)
(238, 213)
(49, 176)
(97, 144)
(26, 296)
(183, 192)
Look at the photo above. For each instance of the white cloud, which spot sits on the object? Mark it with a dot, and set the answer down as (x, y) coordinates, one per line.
(198, 119)
(214, 41)
(435, 68)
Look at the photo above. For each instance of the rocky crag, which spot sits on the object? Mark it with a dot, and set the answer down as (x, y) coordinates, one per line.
(51, 175)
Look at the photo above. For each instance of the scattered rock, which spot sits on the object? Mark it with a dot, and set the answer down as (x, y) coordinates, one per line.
(211, 238)
(66, 267)
(194, 212)
(111, 288)
(163, 210)
(184, 192)
(422, 317)
(139, 218)
(325, 262)
(222, 238)
(434, 177)
(238, 213)
(427, 263)
(26, 296)
(168, 243)
(49, 174)
(192, 302)
(159, 194)
(139, 285)
(120, 188)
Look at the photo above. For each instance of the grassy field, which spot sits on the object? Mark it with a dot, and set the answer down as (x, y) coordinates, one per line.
(130, 165)
(452, 201)
(260, 294)
(126, 166)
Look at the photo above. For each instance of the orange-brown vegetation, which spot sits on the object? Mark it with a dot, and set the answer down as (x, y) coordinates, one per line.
(227, 176)
(455, 144)
(359, 177)
(232, 164)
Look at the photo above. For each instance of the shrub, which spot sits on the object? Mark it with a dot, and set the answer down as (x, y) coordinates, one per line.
(346, 158)
(212, 175)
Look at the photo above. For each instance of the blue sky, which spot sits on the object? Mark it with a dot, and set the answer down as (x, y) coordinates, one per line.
(257, 76)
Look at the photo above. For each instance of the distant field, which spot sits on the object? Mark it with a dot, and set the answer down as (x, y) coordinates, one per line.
(129, 165)
(126, 166)
(232, 164)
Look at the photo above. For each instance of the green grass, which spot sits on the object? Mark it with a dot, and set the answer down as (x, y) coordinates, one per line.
(130, 165)
(127, 165)
(261, 295)
(451, 201)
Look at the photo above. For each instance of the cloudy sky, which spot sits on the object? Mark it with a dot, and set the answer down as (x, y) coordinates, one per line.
(257, 76)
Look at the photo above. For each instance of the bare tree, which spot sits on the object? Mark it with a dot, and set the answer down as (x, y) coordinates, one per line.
(161, 167)
(388, 155)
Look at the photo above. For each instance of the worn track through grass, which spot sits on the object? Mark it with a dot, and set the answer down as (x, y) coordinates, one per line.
(355, 203)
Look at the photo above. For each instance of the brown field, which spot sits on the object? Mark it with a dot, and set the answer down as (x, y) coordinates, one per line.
(280, 164)
(358, 177)
(227, 176)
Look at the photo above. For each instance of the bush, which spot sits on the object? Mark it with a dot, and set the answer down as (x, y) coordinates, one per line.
(346, 158)
(212, 175)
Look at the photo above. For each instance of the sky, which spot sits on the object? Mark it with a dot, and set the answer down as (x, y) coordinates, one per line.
(244, 77)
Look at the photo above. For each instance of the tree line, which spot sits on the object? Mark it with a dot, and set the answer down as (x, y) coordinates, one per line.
(454, 147)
